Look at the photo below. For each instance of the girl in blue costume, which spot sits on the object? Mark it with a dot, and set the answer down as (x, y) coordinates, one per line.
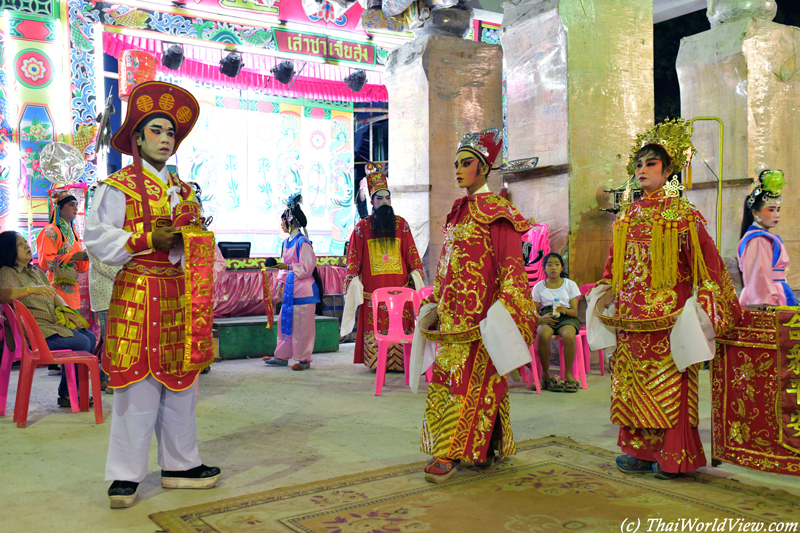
(296, 324)
(763, 258)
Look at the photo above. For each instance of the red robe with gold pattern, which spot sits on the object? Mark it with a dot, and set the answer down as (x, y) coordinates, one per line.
(467, 407)
(145, 331)
(380, 266)
(654, 404)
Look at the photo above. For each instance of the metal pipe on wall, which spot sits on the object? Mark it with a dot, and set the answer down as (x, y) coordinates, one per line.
(719, 173)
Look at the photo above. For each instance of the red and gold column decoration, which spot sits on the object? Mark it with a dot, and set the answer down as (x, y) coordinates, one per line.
(198, 245)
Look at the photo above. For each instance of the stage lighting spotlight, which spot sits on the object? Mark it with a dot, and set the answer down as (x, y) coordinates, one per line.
(356, 80)
(172, 57)
(283, 71)
(231, 64)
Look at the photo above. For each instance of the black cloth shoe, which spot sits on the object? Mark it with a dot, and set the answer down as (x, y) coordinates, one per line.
(64, 402)
(199, 477)
(121, 494)
(53, 370)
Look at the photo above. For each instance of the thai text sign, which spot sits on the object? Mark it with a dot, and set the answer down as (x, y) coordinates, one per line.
(323, 46)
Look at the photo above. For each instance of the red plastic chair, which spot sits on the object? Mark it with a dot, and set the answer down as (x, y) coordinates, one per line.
(8, 356)
(39, 355)
(395, 299)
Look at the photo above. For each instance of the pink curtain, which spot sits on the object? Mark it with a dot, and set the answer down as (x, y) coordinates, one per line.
(318, 81)
(240, 292)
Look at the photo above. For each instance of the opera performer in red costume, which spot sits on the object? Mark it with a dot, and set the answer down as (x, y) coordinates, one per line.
(486, 319)
(157, 341)
(671, 295)
(381, 253)
(61, 253)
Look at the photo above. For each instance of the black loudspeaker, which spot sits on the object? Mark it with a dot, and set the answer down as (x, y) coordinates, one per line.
(356, 80)
(231, 64)
(172, 57)
(283, 72)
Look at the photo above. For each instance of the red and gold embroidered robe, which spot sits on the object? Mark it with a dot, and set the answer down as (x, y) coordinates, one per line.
(481, 262)
(654, 404)
(146, 320)
(380, 266)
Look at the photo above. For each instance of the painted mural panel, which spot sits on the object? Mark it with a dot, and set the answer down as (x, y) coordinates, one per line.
(249, 156)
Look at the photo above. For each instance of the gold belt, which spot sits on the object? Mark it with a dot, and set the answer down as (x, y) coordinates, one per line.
(639, 324)
(453, 337)
(152, 270)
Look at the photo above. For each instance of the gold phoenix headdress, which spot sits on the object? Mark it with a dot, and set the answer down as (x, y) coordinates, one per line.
(674, 137)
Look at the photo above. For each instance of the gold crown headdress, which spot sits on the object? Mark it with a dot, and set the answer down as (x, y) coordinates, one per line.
(673, 136)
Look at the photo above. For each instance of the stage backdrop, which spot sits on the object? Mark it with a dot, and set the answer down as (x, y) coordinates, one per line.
(249, 154)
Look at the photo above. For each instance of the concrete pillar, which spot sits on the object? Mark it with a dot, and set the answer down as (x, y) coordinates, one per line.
(745, 70)
(579, 88)
(440, 88)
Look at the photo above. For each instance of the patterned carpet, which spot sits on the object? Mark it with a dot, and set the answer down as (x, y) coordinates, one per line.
(552, 484)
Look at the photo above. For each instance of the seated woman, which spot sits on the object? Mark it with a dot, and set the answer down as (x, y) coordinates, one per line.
(62, 327)
(556, 301)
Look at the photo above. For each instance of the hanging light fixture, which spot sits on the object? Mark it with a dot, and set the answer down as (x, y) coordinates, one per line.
(172, 57)
(283, 71)
(356, 80)
(231, 64)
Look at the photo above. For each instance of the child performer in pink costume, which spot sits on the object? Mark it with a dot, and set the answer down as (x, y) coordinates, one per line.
(296, 323)
(763, 259)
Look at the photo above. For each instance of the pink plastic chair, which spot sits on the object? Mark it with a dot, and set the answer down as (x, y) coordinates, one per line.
(534, 373)
(539, 237)
(424, 292)
(587, 352)
(9, 357)
(395, 299)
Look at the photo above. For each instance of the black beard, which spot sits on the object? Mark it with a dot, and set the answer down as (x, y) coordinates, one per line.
(383, 224)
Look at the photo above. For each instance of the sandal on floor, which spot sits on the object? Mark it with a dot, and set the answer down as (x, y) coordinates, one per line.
(571, 386)
(301, 366)
(552, 385)
(276, 362)
(440, 470)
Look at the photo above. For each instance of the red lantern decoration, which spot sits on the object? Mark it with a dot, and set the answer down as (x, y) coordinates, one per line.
(135, 68)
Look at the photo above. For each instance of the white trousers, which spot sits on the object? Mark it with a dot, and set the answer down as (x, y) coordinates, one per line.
(144, 407)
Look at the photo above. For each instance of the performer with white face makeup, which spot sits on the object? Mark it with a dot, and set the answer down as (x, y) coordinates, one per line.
(152, 356)
(763, 258)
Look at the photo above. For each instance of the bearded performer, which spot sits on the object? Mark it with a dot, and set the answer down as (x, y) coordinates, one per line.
(299, 288)
(61, 254)
(485, 316)
(139, 218)
(763, 258)
(381, 253)
(661, 256)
